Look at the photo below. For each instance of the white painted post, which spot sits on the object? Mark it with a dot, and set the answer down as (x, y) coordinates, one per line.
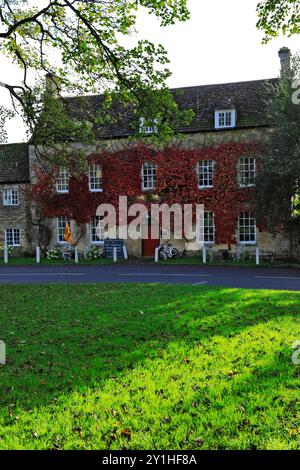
(5, 254)
(115, 254)
(38, 254)
(257, 255)
(204, 254)
(156, 254)
(125, 252)
(76, 255)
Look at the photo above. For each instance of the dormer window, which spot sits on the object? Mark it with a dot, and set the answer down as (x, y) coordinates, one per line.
(225, 118)
(148, 126)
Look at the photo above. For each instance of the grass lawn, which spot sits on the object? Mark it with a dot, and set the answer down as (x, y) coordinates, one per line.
(148, 367)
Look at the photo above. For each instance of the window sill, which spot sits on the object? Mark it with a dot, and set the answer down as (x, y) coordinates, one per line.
(205, 187)
(247, 243)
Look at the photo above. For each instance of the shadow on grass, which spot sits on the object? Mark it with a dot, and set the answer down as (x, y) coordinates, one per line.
(63, 338)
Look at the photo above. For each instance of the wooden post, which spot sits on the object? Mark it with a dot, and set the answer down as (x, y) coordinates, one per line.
(76, 255)
(257, 255)
(156, 254)
(115, 254)
(5, 254)
(204, 254)
(38, 254)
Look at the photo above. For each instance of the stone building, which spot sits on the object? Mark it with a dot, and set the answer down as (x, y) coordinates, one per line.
(233, 112)
(15, 227)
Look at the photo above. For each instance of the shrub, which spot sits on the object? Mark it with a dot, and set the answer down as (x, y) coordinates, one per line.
(53, 254)
(93, 252)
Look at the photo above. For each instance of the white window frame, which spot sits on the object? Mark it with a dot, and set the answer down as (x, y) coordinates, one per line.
(246, 216)
(206, 169)
(148, 126)
(246, 165)
(62, 180)
(149, 175)
(95, 178)
(208, 229)
(60, 230)
(223, 114)
(15, 234)
(93, 230)
(11, 197)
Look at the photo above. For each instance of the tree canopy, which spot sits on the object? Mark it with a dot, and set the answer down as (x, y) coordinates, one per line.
(81, 43)
(278, 16)
(278, 181)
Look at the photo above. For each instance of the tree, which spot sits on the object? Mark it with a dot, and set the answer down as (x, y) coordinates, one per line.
(278, 181)
(5, 114)
(80, 43)
(278, 16)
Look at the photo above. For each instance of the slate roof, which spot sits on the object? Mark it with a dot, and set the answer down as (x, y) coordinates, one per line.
(248, 98)
(14, 163)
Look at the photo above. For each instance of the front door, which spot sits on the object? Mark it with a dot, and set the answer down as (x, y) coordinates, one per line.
(149, 244)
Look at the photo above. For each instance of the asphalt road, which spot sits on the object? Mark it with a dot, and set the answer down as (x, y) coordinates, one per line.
(258, 278)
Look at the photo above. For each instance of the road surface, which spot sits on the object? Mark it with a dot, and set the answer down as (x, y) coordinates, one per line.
(258, 278)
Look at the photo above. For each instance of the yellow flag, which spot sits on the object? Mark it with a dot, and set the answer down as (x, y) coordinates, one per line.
(67, 234)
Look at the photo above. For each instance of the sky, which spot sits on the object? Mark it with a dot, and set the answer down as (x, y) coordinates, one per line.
(219, 44)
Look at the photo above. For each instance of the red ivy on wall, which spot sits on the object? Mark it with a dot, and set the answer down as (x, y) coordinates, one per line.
(176, 183)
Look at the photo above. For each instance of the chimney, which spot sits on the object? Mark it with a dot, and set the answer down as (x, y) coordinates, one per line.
(285, 60)
(52, 85)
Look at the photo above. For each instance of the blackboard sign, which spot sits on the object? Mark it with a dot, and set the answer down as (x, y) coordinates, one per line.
(110, 244)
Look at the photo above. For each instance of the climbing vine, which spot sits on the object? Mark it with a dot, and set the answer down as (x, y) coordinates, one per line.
(176, 183)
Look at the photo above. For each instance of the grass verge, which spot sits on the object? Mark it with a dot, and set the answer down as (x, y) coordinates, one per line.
(148, 367)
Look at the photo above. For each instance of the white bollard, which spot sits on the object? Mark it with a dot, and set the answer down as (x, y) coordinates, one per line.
(115, 254)
(204, 254)
(125, 252)
(156, 254)
(38, 254)
(76, 255)
(257, 255)
(5, 254)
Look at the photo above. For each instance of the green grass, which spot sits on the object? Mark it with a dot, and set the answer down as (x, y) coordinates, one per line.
(21, 261)
(148, 367)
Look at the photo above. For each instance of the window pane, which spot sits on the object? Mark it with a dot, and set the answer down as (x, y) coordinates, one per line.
(149, 176)
(61, 227)
(97, 229)
(209, 227)
(12, 237)
(62, 180)
(247, 228)
(247, 171)
(95, 178)
(11, 197)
